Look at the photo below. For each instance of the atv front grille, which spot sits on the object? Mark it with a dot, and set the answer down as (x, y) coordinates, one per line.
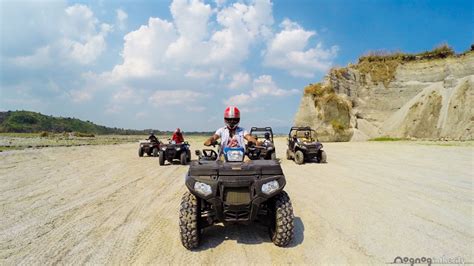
(236, 214)
(237, 196)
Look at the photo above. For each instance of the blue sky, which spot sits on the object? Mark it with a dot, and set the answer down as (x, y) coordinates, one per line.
(168, 64)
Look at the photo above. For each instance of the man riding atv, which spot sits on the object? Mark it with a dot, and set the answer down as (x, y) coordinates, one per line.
(150, 147)
(177, 136)
(229, 190)
(231, 135)
(152, 137)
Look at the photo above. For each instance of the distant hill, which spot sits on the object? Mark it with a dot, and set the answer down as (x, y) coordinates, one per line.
(32, 122)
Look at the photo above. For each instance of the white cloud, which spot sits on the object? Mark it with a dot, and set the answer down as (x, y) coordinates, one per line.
(80, 95)
(141, 115)
(253, 109)
(126, 95)
(191, 18)
(239, 80)
(81, 40)
(121, 19)
(196, 108)
(240, 99)
(175, 97)
(286, 50)
(220, 3)
(200, 74)
(113, 109)
(40, 58)
(143, 50)
(189, 46)
(263, 86)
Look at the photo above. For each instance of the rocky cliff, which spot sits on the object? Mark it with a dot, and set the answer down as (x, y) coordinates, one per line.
(428, 96)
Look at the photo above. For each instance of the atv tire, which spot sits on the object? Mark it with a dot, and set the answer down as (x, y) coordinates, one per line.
(188, 156)
(323, 158)
(288, 154)
(182, 158)
(189, 213)
(299, 157)
(155, 152)
(282, 227)
(140, 152)
(161, 154)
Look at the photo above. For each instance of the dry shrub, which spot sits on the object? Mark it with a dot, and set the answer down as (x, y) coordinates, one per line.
(381, 65)
(318, 89)
(337, 125)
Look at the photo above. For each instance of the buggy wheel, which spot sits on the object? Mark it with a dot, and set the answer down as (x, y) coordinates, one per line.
(288, 154)
(299, 157)
(189, 213)
(282, 225)
(182, 158)
(155, 152)
(273, 156)
(323, 158)
(162, 157)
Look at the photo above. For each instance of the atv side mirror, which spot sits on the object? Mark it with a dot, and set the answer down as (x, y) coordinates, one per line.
(198, 153)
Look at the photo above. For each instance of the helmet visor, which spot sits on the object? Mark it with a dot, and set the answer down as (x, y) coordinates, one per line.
(232, 122)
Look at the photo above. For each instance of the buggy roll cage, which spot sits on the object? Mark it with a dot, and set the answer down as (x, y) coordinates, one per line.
(262, 129)
(296, 129)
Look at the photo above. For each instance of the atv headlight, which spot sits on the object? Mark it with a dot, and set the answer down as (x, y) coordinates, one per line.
(163, 149)
(178, 148)
(270, 187)
(203, 188)
(235, 156)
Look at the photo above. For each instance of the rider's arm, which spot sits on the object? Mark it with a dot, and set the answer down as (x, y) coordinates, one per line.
(250, 138)
(210, 141)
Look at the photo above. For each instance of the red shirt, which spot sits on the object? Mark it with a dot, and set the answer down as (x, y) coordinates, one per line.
(177, 137)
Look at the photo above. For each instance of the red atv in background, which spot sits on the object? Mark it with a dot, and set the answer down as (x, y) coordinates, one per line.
(151, 148)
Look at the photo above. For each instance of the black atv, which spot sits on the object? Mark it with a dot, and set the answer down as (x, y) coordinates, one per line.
(266, 147)
(151, 148)
(173, 151)
(303, 146)
(234, 191)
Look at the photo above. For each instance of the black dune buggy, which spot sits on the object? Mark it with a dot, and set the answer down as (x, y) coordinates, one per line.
(172, 151)
(151, 148)
(234, 191)
(265, 148)
(303, 146)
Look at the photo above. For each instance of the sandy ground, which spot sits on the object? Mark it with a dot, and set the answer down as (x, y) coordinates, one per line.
(103, 204)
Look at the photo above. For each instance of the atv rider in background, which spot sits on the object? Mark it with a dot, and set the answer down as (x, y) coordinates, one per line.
(177, 136)
(307, 137)
(152, 138)
(267, 141)
(231, 135)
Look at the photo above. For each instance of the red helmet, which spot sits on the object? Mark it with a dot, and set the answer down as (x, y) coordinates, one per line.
(232, 117)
